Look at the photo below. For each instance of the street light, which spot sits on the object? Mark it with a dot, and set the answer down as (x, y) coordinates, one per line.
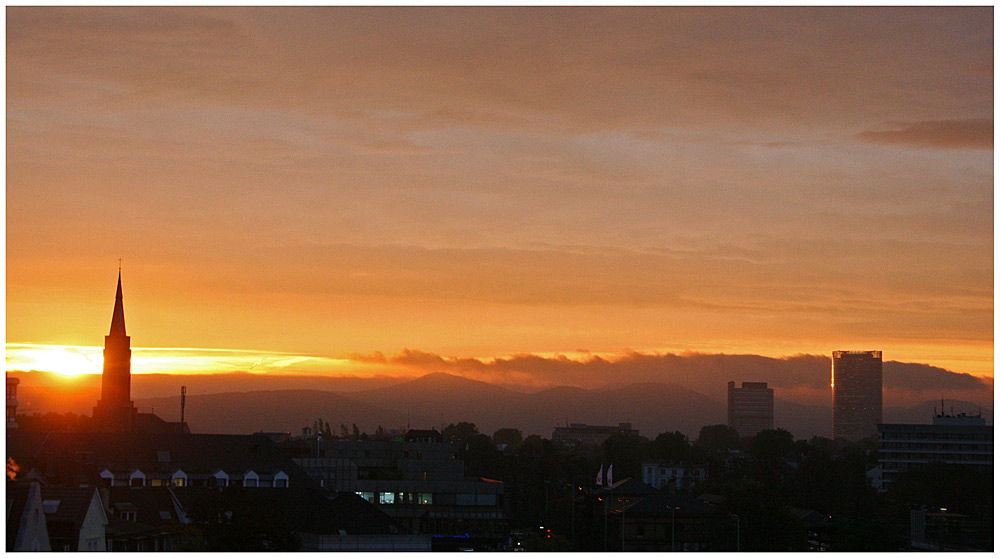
(737, 518)
(673, 528)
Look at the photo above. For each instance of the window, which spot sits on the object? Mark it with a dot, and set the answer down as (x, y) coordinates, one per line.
(425, 498)
(280, 480)
(137, 479)
(155, 482)
(164, 515)
(369, 496)
(386, 497)
(250, 483)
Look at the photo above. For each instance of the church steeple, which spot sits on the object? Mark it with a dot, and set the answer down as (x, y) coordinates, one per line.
(118, 318)
(115, 411)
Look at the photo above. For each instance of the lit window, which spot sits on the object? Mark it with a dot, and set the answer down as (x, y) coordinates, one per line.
(386, 497)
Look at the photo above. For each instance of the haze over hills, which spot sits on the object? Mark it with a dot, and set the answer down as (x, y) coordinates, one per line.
(440, 399)
(656, 393)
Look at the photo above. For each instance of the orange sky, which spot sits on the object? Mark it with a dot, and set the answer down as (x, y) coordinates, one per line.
(494, 181)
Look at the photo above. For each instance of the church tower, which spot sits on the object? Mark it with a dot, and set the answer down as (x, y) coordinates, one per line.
(115, 411)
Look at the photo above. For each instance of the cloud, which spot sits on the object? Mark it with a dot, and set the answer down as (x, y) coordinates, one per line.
(971, 133)
(802, 378)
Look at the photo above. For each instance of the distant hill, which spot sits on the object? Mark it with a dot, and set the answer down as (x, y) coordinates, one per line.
(271, 411)
(439, 399)
(433, 400)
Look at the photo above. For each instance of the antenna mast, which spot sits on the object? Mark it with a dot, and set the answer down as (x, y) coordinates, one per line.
(183, 401)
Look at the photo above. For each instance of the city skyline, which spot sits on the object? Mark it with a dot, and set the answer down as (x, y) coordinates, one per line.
(336, 190)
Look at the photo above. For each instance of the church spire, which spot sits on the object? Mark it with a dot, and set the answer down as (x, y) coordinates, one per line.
(118, 318)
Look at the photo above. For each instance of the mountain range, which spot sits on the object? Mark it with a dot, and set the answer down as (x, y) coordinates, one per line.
(433, 400)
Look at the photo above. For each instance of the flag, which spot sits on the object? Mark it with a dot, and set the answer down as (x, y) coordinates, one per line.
(600, 476)
(610, 482)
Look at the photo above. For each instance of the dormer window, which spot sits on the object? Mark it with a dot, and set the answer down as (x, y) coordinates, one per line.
(107, 478)
(251, 479)
(221, 478)
(280, 480)
(179, 478)
(137, 479)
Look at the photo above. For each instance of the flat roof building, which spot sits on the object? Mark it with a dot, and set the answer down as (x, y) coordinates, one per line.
(955, 439)
(751, 408)
(856, 382)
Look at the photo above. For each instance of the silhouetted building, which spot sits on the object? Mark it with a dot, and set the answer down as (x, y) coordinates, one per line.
(12, 401)
(422, 485)
(75, 517)
(857, 393)
(587, 435)
(115, 411)
(26, 526)
(751, 408)
(955, 439)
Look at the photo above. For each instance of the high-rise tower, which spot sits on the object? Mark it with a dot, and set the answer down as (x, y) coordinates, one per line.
(751, 408)
(857, 393)
(115, 411)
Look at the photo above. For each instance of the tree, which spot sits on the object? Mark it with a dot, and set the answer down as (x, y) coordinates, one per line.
(718, 438)
(459, 432)
(670, 447)
(626, 452)
(509, 436)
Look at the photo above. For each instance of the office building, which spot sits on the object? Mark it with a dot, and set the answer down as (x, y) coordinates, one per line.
(751, 408)
(857, 393)
(955, 439)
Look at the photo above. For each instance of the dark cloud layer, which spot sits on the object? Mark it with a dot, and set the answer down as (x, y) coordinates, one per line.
(805, 378)
(975, 133)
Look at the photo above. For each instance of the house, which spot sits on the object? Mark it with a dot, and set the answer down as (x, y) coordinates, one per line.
(675, 476)
(75, 517)
(320, 521)
(26, 526)
(141, 520)
(151, 460)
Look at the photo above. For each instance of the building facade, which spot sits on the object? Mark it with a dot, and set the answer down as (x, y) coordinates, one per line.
(420, 484)
(12, 402)
(673, 475)
(856, 382)
(751, 408)
(954, 439)
(588, 435)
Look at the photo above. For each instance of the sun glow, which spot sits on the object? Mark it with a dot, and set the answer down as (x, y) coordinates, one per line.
(65, 360)
(70, 360)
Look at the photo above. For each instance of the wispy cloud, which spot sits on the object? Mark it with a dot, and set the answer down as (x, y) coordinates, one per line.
(975, 133)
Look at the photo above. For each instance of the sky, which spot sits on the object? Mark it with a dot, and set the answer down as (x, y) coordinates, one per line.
(329, 190)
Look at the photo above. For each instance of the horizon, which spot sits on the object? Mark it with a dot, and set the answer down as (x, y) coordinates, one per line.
(485, 184)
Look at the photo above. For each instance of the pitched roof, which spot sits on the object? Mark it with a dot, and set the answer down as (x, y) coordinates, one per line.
(629, 486)
(661, 504)
(55, 454)
(118, 317)
(17, 501)
(306, 510)
(71, 505)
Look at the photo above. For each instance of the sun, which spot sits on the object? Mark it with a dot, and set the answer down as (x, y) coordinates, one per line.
(65, 360)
